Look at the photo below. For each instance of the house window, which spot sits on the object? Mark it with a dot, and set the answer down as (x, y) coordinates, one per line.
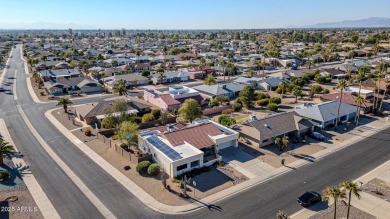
(195, 163)
(181, 167)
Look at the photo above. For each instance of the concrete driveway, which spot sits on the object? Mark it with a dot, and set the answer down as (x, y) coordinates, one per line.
(244, 162)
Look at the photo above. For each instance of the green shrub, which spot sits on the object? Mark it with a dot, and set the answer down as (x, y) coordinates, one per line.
(213, 103)
(4, 175)
(328, 80)
(150, 82)
(115, 137)
(320, 79)
(262, 102)
(325, 91)
(143, 166)
(226, 120)
(42, 93)
(124, 146)
(148, 117)
(275, 100)
(272, 107)
(227, 111)
(88, 132)
(156, 113)
(153, 169)
(261, 95)
(237, 107)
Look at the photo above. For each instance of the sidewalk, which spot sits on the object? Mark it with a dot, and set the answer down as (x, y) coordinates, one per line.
(39, 196)
(163, 208)
(367, 203)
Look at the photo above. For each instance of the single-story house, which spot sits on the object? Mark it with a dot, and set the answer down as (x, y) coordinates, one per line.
(58, 73)
(333, 73)
(62, 86)
(348, 98)
(231, 89)
(263, 131)
(180, 150)
(171, 77)
(95, 112)
(325, 114)
(130, 79)
(173, 98)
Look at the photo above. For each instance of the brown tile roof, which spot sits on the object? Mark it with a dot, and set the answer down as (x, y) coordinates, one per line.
(198, 136)
(168, 99)
(198, 98)
(347, 98)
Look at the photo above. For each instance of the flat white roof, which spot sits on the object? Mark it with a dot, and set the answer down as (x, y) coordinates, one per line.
(356, 89)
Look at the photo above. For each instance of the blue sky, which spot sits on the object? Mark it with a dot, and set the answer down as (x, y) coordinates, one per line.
(188, 14)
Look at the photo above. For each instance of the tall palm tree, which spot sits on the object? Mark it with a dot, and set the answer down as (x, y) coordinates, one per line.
(210, 80)
(223, 63)
(359, 100)
(257, 64)
(342, 85)
(64, 102)
(349, 73)
(335, 193)
(283, 87)
(5, 149)
(120, 89)
(229, 66)
(352, 188)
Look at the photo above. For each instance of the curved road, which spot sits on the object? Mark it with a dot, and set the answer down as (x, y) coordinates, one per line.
(260, 201)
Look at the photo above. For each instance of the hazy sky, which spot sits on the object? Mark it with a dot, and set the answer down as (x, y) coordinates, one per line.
(188, 14)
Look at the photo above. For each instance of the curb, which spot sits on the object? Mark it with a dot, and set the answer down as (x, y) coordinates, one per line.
(43, 202)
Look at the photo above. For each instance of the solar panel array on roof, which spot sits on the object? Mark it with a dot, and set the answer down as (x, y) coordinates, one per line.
(172, 154)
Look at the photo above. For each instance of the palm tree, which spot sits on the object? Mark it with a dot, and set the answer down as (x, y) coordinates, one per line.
(349, 73)
(64, 102)
(309, 64)
(5, 149)
(342, 85)
(223, 63)
(282, 86)
(297, 91)
(359, 100)
(210, 80)
(282, 215)
(257, 64)
(120, 89)
(229, 66)
(161, 76)
(352, 188)
(285, 141)
(251, 73)
(335, 193)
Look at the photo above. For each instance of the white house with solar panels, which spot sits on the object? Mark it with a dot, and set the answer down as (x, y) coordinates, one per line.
(180, 149)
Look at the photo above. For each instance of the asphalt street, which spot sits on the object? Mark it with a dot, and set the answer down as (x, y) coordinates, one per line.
(260, 201)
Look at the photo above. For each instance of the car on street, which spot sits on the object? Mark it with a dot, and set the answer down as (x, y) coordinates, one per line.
(308, 198)
(317, 136)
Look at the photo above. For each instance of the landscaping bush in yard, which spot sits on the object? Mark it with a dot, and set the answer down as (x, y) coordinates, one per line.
(88, 132)
(275, 100)
(156, 113)
(237, 107)
(148, 117)
(262, 102)
(320, 79)
(153, 169)
(124, 146)
(143, 166)
(272, 107)
(4, 175)
(226, 120)
(328, 80)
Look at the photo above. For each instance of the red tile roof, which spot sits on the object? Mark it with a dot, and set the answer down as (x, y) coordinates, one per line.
(197, 136)
(347, 98)
(168, 99)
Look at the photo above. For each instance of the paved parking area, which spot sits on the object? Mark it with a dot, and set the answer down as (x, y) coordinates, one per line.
(244, 162)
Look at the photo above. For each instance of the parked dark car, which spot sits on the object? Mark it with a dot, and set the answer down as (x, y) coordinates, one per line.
(308, 198)
(317, 136)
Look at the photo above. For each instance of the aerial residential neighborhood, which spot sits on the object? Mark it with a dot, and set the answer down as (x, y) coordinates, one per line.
(177, 110)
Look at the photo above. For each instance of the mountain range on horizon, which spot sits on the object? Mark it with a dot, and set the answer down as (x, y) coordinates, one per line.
(372, 22)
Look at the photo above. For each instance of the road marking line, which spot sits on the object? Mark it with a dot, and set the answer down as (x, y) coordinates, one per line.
(76, 180)
(14, 86)
(43, 202)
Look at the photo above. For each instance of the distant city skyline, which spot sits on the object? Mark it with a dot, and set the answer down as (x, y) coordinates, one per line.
(175, 14)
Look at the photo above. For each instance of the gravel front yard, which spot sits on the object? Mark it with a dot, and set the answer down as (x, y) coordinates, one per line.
(354, 213)
(24, 208)
(66, 119)
(377, 185)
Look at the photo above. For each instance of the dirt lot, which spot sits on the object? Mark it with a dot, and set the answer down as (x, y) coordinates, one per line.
(272, 156)
(378, 188)
(342, 213)
(66, 119)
